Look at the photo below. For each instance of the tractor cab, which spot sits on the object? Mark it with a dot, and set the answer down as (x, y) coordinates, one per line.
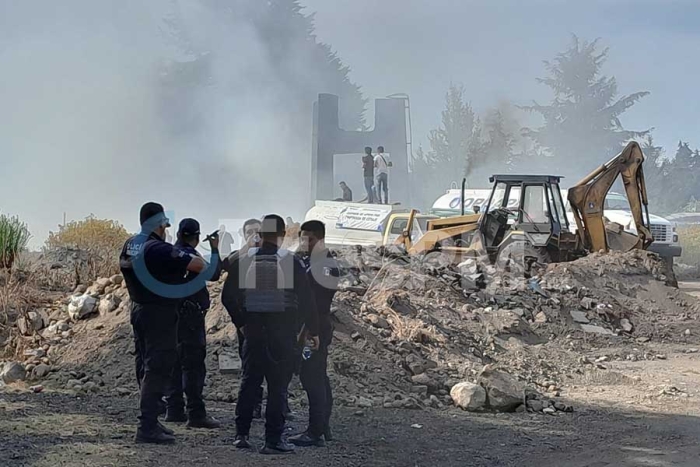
(537, 221)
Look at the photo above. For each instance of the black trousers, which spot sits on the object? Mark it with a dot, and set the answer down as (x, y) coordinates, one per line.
(314, 379)
(190, 369)
(259, 392)
(155, 339)
(266, 356)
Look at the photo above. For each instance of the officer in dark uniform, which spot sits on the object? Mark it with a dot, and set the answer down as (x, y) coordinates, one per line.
(267, 294)
(190, 370)
(153, 271)
(251, 236)
(323, 275)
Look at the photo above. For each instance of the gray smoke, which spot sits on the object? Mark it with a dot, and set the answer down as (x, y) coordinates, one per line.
(91, 122)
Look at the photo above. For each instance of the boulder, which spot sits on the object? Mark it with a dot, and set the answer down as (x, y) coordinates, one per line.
(81, 306)
(80, 289)
(117, 279)
(41, 371)
(504, 392)
(468, 396)
(12, 371)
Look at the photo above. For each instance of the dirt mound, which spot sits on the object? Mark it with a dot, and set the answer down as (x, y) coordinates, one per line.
(404, 338)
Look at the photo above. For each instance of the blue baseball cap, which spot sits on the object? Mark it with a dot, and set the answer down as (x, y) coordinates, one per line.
(188, 227)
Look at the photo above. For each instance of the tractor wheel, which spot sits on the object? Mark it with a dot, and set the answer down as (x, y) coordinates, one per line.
(518, 257)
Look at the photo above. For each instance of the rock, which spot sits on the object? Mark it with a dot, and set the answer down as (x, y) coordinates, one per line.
(356, 336)
(625, 325)
(587, 303)
(122, 391)
(81, 306)
(643, 340)
(549, 410)
(81, 289)
(687, 332)
(423, 379)
(416, 368)
(579, 317)
(108, 304)
(504, 392)
(521, 408)
(39, 319)
(90, 386)
(41, 371)
(117, 279)
(540, 317)
(364, 402)
(36, 389)
(468, 396)
(535, 405)
(589, 328)
(420, 390)
(560, 406)
(13, 371)
(100, 285)
(661, 357)
(229, 364)
(378, 321)
(72, 383)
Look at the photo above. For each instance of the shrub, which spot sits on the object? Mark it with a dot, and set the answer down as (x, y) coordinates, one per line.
(93, 244)
(14, 237)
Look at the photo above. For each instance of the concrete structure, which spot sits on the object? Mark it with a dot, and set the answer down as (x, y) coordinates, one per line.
(330, 140)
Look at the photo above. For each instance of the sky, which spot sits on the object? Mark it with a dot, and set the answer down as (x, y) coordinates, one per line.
(82, 127)
(495, 48)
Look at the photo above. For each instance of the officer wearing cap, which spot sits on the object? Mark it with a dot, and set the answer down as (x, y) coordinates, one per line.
(267, 294)
(153, 271)
(190, 370)
(324, 273)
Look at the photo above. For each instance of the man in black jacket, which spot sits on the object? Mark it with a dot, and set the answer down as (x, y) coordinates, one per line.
(190, 371)
(268, 295)
(324, 275)
(153, 271)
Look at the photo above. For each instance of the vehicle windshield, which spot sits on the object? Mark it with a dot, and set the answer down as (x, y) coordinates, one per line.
(617, 202)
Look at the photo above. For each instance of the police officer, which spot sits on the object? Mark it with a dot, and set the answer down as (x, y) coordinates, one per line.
(251, 236)
(323, 275)
(190, 370)
(267, 294)
(152, 271)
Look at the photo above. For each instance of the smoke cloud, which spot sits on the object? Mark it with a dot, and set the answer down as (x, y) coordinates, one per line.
(109, 104)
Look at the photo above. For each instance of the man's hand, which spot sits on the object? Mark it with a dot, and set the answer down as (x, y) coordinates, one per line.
(213, 241)
(315, 342)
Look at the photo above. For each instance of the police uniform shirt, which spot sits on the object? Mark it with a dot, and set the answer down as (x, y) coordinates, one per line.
(165, 264)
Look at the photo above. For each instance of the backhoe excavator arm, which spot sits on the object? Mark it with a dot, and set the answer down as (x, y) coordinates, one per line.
(587, 200)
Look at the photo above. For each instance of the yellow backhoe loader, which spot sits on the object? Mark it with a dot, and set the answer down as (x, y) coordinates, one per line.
(537, 228)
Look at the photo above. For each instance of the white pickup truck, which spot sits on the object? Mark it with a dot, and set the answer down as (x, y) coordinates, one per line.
(666, 242)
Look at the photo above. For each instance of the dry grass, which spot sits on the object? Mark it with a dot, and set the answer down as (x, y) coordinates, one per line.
(91, 245)
(414, 330)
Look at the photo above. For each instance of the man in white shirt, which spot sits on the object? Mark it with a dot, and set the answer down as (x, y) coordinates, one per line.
(382, 162)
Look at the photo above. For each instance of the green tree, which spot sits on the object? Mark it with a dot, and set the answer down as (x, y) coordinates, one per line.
(582, 124)
(454, 145)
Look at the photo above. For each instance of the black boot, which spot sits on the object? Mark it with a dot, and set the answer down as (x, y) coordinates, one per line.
(307, 439)
(277, 448)
(175, 416)
(153, 436)
(165, 429)
(242, 442)
(203, 422)
(328, 434)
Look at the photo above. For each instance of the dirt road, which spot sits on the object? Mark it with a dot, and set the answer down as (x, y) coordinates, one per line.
(631, 414)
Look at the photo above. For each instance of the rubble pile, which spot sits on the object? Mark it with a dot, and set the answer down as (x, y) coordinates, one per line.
(406, 336)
